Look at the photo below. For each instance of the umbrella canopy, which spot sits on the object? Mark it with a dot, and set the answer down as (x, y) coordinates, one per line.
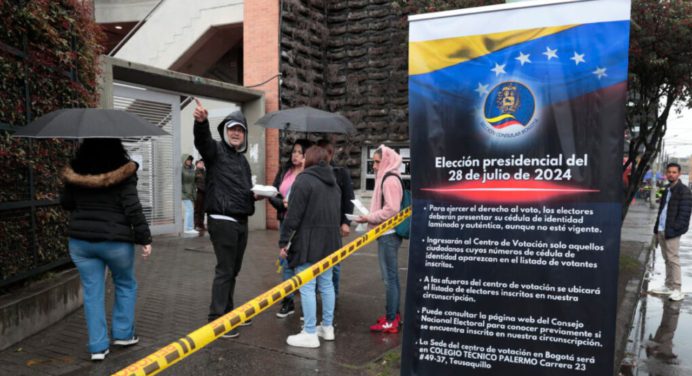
(89, 123)
(307, 119)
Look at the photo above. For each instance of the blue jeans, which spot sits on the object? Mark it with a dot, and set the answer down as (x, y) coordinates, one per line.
(189, 218)
(336, 272)
(91, 259)
(308, 299)
(286, 273)
(387, 250)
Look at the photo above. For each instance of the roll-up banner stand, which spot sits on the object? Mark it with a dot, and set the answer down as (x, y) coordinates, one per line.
(517, 116)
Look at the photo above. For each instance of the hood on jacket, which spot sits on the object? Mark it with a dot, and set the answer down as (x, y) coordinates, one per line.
(391, 162)
(103, 180)
(323, 172)
(235, 117)
(184, 157)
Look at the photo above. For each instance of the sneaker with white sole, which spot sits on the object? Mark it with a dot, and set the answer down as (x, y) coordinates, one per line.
(247, 322)
(233, 333)
(304, 339)
(677, 296)
(287, 308)
(326, 332)
(100, 355)
(662, 290)
(126, 342)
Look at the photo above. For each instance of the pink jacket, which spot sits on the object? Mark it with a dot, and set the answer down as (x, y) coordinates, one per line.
(393, 192)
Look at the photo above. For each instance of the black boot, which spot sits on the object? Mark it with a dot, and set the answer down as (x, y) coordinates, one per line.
(287, 308)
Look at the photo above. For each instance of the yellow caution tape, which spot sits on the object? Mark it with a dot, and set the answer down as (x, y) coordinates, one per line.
(185, 346)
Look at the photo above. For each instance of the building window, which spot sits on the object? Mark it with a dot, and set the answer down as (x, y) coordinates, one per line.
(367, 182)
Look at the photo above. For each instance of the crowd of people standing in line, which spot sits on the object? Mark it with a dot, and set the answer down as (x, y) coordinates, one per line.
(314, 196)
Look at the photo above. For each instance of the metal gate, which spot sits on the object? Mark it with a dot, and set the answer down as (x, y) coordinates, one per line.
(159, 184)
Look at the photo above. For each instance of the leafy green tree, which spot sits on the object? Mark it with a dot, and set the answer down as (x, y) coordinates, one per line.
(660, 76)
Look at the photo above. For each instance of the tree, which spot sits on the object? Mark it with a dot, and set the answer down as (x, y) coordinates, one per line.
(660, 75)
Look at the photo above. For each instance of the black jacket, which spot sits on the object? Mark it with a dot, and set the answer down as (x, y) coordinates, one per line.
(228, 180)
(679, 209)
(278, 201)
(343, 179)
(105, 207)
(312, 221)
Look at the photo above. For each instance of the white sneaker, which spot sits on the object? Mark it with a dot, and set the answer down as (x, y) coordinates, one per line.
(662, 290)
(100, 355)
(304, 339)
(676, 296)
(326, 332)
(126, 342)
(191, 232)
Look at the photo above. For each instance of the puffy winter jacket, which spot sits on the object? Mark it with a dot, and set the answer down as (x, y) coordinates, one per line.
(229, 180)
(105, 207)
(679, 209)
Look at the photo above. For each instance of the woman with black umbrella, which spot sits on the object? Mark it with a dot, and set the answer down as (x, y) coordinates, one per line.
(106, 220)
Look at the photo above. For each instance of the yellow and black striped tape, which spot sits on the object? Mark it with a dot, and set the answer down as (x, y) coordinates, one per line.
(183, 347)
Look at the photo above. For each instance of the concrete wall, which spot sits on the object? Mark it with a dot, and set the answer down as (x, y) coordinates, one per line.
(111, 11)
(174, 27)
(37, 307)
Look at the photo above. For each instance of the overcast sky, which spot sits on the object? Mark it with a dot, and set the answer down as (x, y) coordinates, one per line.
(678, 137)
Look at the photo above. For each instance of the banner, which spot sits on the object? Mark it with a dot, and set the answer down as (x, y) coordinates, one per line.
(516, 117)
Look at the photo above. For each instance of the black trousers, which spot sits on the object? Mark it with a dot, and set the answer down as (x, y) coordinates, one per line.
(229, 240)
(199, 210)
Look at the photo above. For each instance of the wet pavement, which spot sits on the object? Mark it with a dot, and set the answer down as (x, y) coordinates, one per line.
(661, 339)
(173, 298)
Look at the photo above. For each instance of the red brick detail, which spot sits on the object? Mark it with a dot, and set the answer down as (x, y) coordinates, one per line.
(261, 62)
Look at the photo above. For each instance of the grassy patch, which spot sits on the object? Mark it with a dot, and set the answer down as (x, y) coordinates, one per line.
(388, 365)
(629, 264)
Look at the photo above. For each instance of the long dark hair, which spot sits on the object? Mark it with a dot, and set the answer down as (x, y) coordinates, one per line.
(99, 155)
(304, 144)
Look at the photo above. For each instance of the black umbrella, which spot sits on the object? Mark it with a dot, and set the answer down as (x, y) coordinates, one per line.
(89, 123)
(307, 119)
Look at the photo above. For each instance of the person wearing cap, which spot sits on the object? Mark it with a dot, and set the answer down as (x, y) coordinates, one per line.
(229, 202)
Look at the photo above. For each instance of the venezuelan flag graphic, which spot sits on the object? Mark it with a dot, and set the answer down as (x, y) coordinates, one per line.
(509, 77)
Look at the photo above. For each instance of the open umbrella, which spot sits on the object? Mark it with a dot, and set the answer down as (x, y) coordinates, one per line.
(307, 119)
(89, 123)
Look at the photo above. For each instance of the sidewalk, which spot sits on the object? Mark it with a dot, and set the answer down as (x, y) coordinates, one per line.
(635, 249)
(174, 289)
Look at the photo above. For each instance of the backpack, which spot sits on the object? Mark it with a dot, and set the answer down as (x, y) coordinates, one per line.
(404, 228)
